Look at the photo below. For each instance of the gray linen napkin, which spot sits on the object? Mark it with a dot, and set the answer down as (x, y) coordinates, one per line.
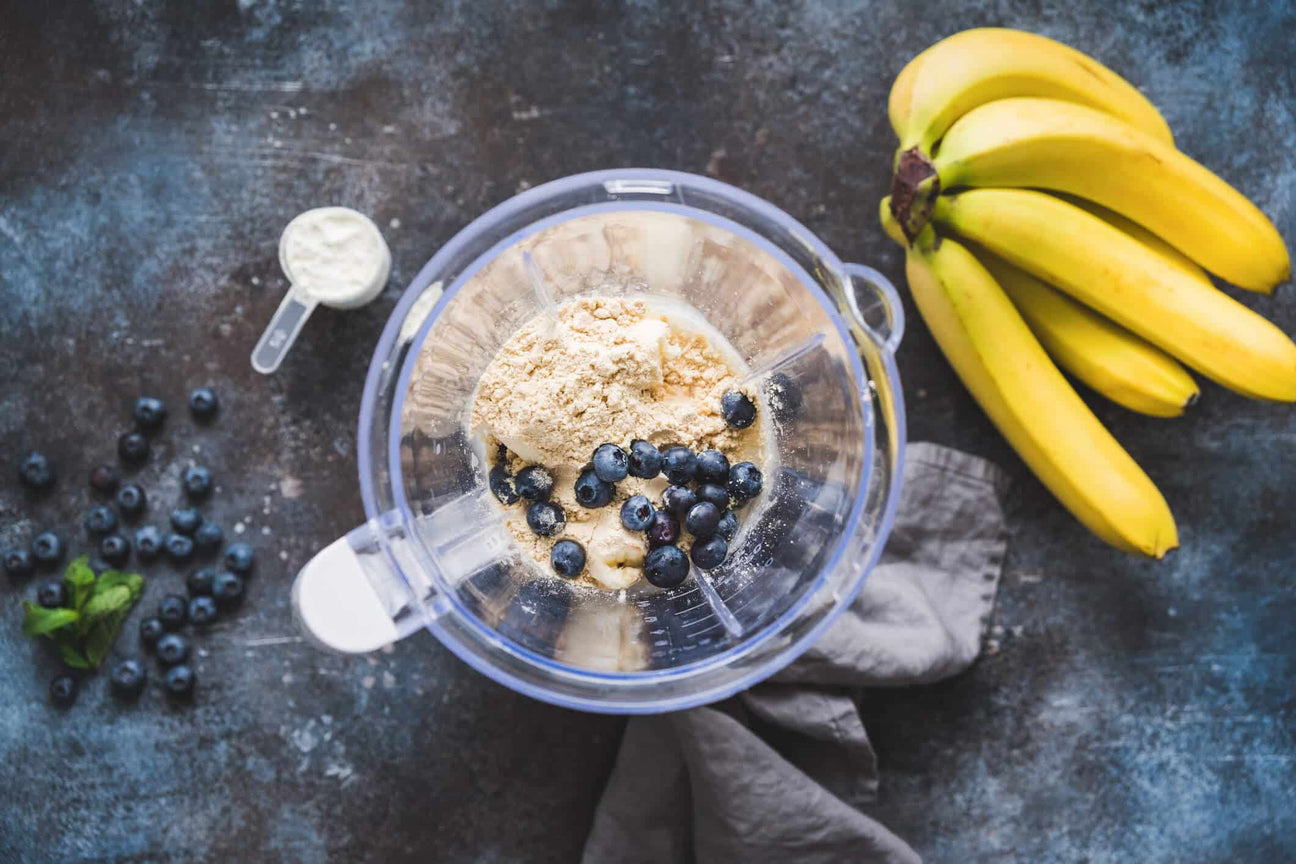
(778, 773)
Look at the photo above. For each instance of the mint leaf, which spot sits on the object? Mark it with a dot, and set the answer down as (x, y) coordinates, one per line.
(38, 621)
(80, 580)
(110, 579)
(106, 602)
(102, 635)
(68, 650)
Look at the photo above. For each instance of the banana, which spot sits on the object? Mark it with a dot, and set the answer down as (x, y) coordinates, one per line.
(1105, 356)
(1144, 236)
(1051, 144)
(1026, 397)
(1111, 272)
(977, 66)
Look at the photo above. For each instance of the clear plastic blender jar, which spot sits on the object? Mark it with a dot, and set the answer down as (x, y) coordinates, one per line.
(819, 338)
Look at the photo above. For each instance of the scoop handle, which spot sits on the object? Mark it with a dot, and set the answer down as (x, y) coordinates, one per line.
(282, 332)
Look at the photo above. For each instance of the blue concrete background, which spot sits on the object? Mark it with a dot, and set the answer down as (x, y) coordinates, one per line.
(151, 153)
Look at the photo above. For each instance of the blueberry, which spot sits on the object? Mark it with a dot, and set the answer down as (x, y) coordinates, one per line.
(717, 495)
(36, 470)
(172, 611)
(172, 649)
(664, 529)
(104, 478)
(128, 678)
(99, 566)
(238, 557)
(131, 499)
(148, 542)
(745, 481)
(592, 492)
(115, 549)
(149, 413)
(47, 548)
(728, 526)
(645, 460)
(546, 518)
(666, 567)
(179, 548)
(713, 467)
(197, 482)
(737, 410)
(710, 553)
(680, 464)
(535, 483)
(63, 691)
(18, 562)
(133, 448)
(679, 500)
(51, 594)
(783, 395)
(101, 520)
(202, 611)
(637, 513)
(567, 558)
(227, 588)
(203, 403)
(611, 464)
(199, 582)
(185, 520)
(178, 680)
(502, 485)
(703, 519)
(150, 631)
(209, 537)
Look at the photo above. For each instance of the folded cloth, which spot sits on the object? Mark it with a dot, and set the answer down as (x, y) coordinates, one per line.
(779, 773)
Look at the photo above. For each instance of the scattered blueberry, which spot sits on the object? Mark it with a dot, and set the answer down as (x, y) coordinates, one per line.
(645, 460)
(710, 553)
(101, 520)
(99, 566)
(36, 470)
(172, 649)
(209, 537)
(185, 520)
(703, 519)
(728, 526)
(715, 494)
(148, 542)
(199, 582)
(197, 482)
(172, 611)
(128, 678)
(737, 410)
(47, 548)
(115, 549)
(133, 448)
(567, 558)
(679, 500)
(179, 680)
(131, 499)
(18, 562)
(535, 483)
(783, 395)
(150, 631)
(745, 481)
(51, 594)
(202, 610)
(149, 413)
(592, 492)
(637, 513)
(680, 464)
(611, 464)
(666, 567)
(664, 529)
(203, 403)
(63, 691)
(238, 557)
(104, 478)
(227, 588)
(179, 548)
(502, 485)
(546, 518)
(713, 467)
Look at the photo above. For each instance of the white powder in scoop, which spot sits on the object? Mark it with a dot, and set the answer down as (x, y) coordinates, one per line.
(334, 254)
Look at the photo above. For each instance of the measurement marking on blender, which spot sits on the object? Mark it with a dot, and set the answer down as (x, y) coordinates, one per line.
(796, 352)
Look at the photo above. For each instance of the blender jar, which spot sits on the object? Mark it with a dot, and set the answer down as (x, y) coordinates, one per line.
(819, 338)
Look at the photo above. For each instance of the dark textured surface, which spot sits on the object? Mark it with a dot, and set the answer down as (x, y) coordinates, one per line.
(151, 154)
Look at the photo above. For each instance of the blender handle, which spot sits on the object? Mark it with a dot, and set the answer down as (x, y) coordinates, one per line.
(875, 305)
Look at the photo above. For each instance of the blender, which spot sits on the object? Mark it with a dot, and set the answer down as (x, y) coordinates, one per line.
(818, 338)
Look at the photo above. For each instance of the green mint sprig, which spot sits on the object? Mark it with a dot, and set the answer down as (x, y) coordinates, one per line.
(86, 628)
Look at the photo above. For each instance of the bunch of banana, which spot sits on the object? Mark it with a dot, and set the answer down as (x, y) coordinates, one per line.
(1084, 239)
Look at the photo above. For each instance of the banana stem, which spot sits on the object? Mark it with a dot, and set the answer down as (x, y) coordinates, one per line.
(914, 190)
